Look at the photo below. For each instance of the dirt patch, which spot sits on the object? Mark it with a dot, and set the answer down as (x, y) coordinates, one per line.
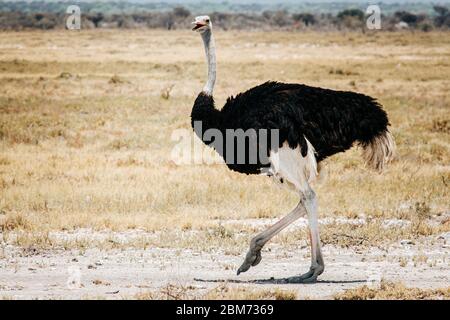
(159, 272)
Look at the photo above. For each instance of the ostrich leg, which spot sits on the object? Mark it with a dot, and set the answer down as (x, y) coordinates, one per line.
(253, 256)
(317, 264)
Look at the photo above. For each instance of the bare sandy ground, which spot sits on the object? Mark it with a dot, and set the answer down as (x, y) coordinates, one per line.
(123, 273)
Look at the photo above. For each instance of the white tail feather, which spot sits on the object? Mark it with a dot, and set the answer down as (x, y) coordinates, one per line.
(380, 151)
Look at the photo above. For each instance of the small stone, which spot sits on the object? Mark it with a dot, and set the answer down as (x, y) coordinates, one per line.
(113, 292)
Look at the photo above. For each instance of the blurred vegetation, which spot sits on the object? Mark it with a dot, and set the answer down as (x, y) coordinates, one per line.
(52, 15)
(228, 6)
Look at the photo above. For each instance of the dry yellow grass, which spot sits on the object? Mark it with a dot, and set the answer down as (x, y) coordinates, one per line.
(86, 135)
(393, 291)
(221, 292)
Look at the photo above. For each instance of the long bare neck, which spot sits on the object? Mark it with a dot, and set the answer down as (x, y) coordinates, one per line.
(204, 111)
(210, 50)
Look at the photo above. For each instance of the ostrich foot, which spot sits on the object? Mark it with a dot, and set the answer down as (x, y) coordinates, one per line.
(252, 258)
(308, 277)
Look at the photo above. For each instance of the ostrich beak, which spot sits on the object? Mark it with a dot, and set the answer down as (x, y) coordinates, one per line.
(197, 25)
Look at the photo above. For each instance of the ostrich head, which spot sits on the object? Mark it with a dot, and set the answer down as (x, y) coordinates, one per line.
(202, 24)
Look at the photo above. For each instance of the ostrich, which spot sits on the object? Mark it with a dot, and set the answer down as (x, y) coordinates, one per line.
(312, 123)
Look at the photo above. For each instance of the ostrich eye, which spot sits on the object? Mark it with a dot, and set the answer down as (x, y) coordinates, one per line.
(207, 20)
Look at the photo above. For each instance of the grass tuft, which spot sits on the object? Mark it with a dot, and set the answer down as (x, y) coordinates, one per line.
(393, 291)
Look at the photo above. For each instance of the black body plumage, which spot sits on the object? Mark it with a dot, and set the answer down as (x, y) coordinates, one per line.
(331, 120)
